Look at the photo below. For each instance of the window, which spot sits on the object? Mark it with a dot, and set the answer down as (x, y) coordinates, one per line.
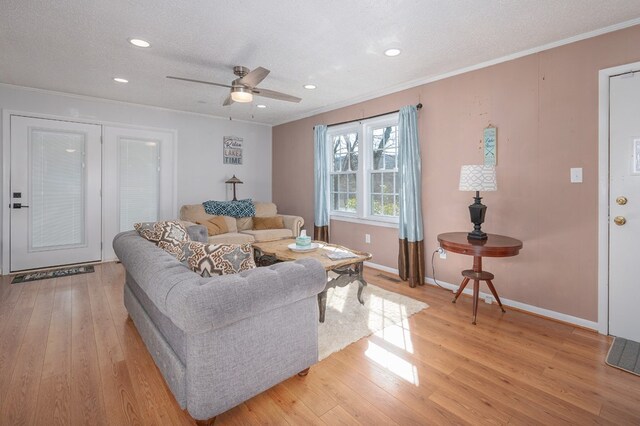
(363, 170)
(344, 172)
(139, 181)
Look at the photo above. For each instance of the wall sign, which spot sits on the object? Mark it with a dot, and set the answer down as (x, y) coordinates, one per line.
(232, 150)
(490, 146)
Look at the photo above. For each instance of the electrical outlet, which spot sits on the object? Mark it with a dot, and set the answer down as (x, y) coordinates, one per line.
(442, 252)
(367, 238)
(488, 300)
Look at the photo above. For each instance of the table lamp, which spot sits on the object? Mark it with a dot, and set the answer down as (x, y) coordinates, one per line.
(234, 180)
(477, 178)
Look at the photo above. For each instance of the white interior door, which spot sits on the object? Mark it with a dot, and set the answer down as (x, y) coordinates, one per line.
(138, 179)
(55, 193)
(624, 206)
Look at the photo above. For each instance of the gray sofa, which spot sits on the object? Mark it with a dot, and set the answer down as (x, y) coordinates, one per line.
(219, 341)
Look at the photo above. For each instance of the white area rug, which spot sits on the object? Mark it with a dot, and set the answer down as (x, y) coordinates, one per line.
(347, 321)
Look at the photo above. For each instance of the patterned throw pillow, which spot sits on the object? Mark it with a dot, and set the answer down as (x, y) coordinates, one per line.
(168, 235)
(218, 259)
(240, 208)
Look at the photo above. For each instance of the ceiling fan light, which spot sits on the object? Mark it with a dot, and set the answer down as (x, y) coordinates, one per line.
(240, 94)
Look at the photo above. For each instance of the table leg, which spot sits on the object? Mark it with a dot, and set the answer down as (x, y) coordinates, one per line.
(476, 290)
(361, 282)
(322, 303)
(495, 294)
(464, 283)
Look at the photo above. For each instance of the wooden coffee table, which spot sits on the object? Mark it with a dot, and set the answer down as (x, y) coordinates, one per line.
(347, 270)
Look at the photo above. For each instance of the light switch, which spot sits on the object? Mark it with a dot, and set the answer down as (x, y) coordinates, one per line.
(576, 175)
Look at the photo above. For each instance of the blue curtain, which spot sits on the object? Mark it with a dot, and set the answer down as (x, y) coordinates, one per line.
(411, 254)
(321, 163)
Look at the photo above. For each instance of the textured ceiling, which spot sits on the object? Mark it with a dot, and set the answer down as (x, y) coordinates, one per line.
(78, 46)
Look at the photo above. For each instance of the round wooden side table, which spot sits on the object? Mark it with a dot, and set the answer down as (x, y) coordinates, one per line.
(493, 246)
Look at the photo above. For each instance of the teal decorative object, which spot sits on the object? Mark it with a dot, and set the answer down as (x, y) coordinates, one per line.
(490, 146)
(303, 240)
(240, 208)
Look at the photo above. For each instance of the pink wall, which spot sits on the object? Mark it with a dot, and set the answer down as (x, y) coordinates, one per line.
(545, 107)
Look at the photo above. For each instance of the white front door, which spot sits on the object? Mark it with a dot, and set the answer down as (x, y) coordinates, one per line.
(624, 206)
(55, 193)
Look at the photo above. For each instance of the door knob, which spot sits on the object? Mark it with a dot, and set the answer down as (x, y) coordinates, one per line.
(621, 201)
(619, 220)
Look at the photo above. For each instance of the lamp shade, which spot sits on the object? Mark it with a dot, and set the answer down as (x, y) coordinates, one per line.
(234, 179)
(478, 178)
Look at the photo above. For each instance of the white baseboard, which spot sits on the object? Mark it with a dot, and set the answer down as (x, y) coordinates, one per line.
(581, 322)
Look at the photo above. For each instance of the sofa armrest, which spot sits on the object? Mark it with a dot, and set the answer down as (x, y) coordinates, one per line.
(294, 223)
(223, 300)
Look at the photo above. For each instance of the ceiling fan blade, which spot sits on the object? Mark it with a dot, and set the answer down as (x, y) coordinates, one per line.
(254, 77)
(199, 81)
(274, 95)
(227, 101)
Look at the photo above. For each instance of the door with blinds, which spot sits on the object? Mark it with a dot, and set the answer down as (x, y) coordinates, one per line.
(138, 179)
(55, 193)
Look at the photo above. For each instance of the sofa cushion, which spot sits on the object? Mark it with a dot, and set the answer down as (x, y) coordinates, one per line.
(231, 238)
(195, 213)
(270, 222)
(168, 235)
(269, 234)
(218, 259)
(216, 225)
(262, 210)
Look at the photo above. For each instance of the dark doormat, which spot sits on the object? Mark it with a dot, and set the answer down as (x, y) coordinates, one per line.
(54, 273)
(625, 355)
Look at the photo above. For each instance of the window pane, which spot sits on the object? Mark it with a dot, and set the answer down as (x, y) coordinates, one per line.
(139, 182)
(352, 203)
(389, 205)
(342, 201)
(387, 183)
(334, 183)
(345, 152)
(57, 189)
(384, 148)
(376, 181)
(376, 204)
(352, 183)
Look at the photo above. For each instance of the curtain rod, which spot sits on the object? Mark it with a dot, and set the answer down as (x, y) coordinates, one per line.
(419, 106)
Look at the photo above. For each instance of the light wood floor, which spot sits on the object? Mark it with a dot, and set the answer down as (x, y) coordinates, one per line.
(68, 355)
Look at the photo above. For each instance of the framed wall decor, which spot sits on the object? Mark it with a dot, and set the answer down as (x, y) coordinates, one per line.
(232, 150)
(490, 146)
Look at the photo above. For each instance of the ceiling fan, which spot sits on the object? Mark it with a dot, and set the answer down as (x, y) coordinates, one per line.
(244, 87)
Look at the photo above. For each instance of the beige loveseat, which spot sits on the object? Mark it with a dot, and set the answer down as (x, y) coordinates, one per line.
(241, 230)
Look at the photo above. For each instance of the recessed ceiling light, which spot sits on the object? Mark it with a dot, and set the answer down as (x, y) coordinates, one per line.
(309, 86)
(69, 150)
(392, 52)
(139, 42)
(202, 102)
(261, 106)
(120, 80)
